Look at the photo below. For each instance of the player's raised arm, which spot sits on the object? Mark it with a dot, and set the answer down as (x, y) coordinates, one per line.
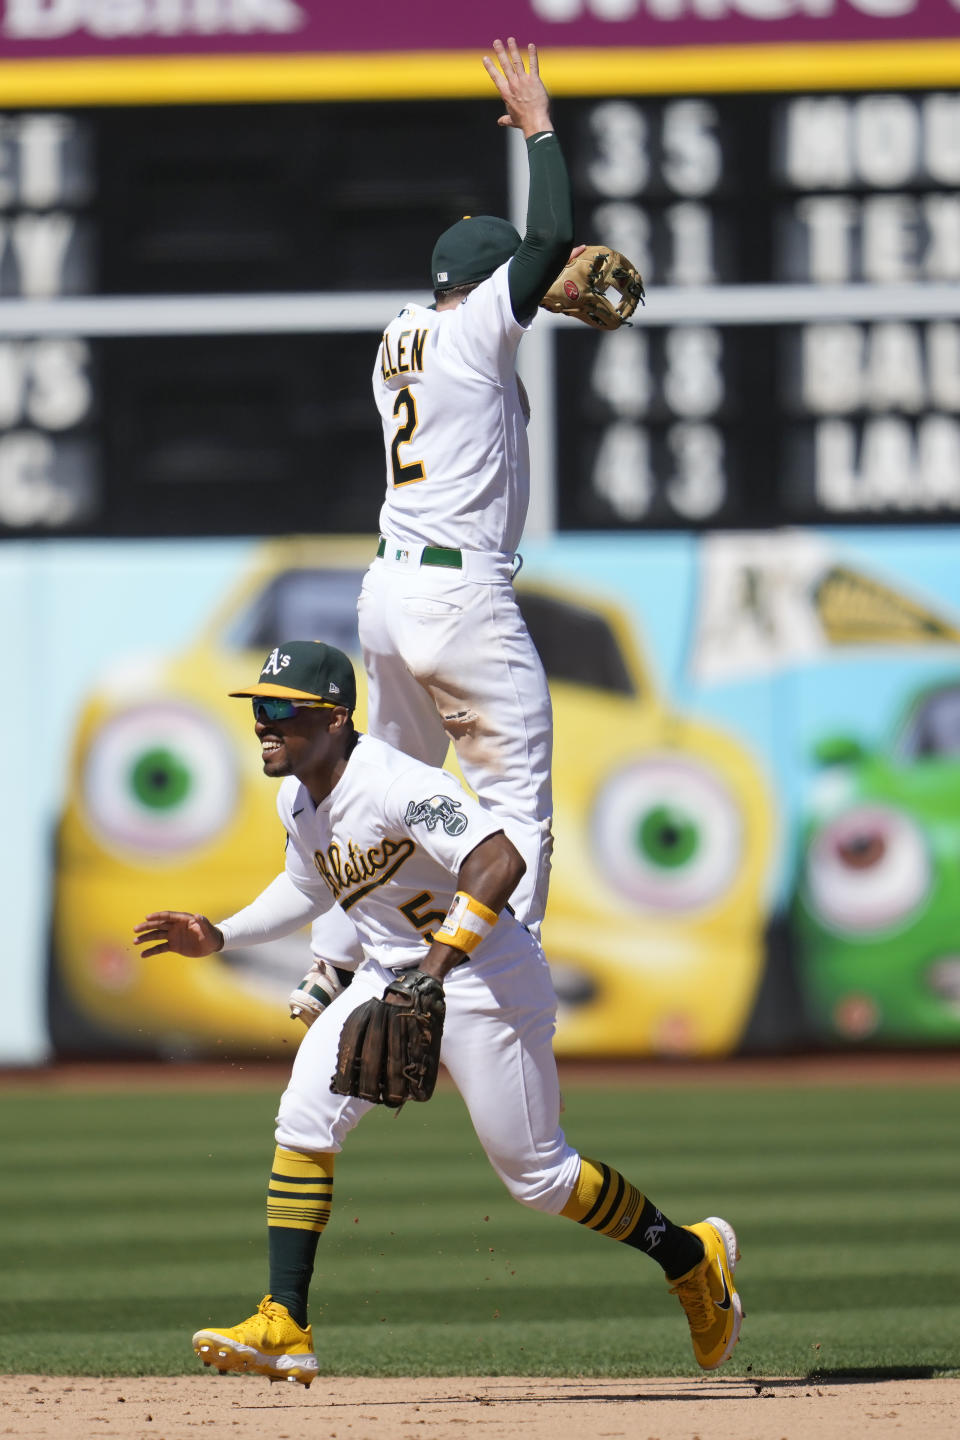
(548, 238)
(522, 91)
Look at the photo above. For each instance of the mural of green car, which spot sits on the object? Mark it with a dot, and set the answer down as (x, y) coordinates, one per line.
(877, 906)
(663, 835)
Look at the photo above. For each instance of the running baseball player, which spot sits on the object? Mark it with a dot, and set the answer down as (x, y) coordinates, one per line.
(425, 872)
(445, 647)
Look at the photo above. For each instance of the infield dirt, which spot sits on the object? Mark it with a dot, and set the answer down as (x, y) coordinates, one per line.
(247, 1408)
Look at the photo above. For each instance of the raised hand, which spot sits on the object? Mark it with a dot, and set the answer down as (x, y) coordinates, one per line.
(522, 91)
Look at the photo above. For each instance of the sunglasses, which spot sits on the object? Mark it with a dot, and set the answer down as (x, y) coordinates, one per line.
(278, 709)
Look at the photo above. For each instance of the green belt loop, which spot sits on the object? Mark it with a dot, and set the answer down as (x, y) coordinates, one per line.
(430, 555)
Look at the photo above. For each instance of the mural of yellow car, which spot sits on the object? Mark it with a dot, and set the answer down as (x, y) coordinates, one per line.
(664, 833)
(663, 837)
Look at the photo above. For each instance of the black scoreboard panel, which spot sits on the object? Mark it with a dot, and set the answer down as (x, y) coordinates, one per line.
(663, 425)
(772, 188)
(289, 198)
(207, 435)
(755, 426)
(246, 434)
(247, 199)
(758, 425)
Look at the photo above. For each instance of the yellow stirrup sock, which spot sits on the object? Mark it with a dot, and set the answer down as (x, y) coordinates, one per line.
(299, 1197)
(603, 1200)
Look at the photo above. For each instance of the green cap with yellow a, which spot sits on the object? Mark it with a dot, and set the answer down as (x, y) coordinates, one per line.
(306, 670)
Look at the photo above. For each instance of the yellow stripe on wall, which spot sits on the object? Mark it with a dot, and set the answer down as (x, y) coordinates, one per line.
(437, 75)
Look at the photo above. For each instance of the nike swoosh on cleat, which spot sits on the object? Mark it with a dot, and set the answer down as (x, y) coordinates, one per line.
(723, 1304)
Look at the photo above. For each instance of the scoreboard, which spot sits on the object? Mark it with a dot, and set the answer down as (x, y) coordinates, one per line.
(846, 207)
(191, 298)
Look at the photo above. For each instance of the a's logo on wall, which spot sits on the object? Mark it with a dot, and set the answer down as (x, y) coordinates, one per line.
(438, 810)
(774, 600)
(275, 663)
(855, 609)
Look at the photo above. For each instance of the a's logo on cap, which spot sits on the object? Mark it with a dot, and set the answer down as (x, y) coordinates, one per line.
(570, 290)
(275, 663)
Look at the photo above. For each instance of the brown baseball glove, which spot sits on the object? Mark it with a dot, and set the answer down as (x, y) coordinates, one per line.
(599, 287)
(389, 1049)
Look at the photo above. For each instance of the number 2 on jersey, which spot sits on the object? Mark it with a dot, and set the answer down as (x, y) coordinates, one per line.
(405, 474)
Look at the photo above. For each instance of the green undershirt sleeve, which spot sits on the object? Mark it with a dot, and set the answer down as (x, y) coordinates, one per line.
(547, 242)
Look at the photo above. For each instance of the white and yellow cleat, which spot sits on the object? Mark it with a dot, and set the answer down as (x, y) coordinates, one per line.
(710, 1302)
(270, 1343)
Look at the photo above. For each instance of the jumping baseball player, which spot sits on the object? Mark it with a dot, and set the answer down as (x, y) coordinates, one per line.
(446, 650)
(447, 970)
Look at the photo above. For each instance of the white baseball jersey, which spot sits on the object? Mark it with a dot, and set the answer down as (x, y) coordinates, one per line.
(454, 423)
(386, 845)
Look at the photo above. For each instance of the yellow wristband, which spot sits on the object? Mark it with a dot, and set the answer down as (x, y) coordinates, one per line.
(467, 923)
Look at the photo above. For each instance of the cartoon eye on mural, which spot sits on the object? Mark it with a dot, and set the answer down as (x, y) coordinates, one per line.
(876, 907)
(663, 831)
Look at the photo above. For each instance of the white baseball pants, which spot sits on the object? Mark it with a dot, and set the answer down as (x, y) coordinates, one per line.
(497, 1047)
(448, 657)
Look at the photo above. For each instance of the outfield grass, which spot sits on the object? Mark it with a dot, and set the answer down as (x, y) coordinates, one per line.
(131, 1219)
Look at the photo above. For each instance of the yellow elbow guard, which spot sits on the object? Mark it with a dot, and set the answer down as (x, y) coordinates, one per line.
(467, 923)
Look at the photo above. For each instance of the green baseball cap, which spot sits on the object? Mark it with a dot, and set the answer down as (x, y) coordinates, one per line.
(306, 670)
(471, 250)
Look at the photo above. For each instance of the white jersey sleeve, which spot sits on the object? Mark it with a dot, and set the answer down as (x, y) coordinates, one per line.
(277, 911)
(432, 807)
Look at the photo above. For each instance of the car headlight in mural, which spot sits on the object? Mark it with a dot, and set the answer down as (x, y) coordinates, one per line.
(669, 833)
(663, 835)
(158, 779)
(876, 904)
(868, 870)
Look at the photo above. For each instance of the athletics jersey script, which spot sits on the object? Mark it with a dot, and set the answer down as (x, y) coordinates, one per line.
(454, 424)
(386, 845)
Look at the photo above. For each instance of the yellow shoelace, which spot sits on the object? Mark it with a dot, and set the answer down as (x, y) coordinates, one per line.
(694, 1295)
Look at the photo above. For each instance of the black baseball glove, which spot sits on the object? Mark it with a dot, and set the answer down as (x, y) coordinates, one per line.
(390, 1048)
